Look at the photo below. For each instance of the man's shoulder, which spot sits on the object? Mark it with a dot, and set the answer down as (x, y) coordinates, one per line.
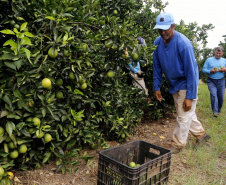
(182, 39)
(183, 42)
(210, 58)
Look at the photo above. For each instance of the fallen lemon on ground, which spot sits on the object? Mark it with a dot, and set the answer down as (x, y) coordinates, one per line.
(10, 175)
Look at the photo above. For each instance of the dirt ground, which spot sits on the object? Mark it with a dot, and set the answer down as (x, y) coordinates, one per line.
(87, 173)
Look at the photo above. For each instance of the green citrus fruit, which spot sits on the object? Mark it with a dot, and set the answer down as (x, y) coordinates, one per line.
(31, 130)
(11, 145)
(46, 83)
(59, 82)
(66, 53)
(36, 121)
(52, 52)
(12, 23)
(8, 139)
(1, 131)
(72, 75)
(47, 138)
(115, 12)
(59, 95)
(111, 74)
(41, 134)
(14, 154)
(123, 136)
(132, 164)
(31, 103)
(124, 56)
(2, 171)
(17, 26)
(137, 165)
(134, 56)
(50, 87)
(84, 48)
(83, 86)
(22, 149)
(102, 23)
(29, 119)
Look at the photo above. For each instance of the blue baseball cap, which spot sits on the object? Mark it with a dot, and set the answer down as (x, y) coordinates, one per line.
(164, 21)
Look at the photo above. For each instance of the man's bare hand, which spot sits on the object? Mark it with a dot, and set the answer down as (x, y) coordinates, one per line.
(222, 69)
(158, 95)
(187, 104)
(214, 70)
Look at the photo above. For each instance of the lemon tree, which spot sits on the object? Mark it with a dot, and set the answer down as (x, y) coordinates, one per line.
(55, 77)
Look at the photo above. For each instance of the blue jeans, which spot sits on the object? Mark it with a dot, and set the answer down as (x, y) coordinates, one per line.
(217, 89)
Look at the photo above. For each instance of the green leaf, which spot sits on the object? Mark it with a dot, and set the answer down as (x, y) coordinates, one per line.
(28, 53)
(25, 132)
(51, 18)
(63, 169)
(18, 63)
(7, 100)
(25, 41)
(57, 163)
(47, 156)
(8, 56)
(17, 93)
(43, 110)
(20, 125)
(10, 126)
(23, 26)
(28, 34)
(10, 65)
(11, 43)
(10, 32)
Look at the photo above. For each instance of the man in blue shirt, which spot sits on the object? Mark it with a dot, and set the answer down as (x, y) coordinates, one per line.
(215, 68)
(174, 57)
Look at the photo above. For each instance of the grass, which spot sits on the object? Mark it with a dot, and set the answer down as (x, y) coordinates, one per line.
(206, 164)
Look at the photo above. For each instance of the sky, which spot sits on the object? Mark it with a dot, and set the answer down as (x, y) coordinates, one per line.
(202, 12)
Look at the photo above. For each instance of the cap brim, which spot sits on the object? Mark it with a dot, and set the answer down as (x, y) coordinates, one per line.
(162, 27)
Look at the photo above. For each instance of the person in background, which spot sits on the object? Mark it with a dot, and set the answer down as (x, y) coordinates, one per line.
(135, 71)
(215, 68)
(174, 56)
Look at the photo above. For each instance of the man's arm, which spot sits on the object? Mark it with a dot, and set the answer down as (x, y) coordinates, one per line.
(190, 71)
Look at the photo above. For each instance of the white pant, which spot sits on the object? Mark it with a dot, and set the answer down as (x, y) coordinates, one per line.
(186, 121)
